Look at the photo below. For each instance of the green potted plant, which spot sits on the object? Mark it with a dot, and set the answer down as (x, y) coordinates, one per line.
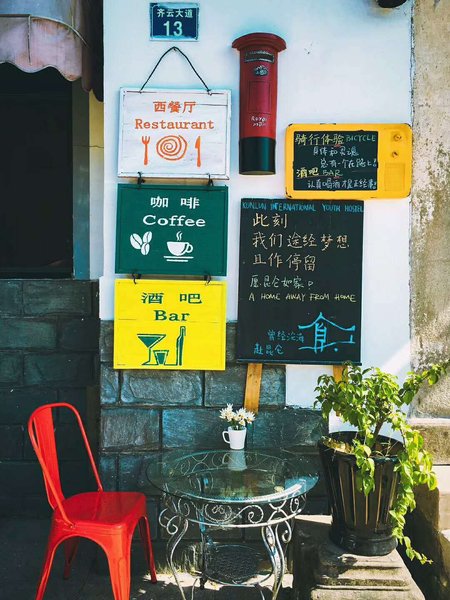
(371, 478)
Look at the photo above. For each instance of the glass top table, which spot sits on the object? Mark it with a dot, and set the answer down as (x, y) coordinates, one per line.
(232, 489)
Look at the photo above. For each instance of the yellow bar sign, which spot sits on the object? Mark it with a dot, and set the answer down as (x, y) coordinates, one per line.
(348, 161)
(169, 325)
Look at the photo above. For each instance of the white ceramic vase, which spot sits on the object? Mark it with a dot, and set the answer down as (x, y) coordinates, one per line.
(235, 437)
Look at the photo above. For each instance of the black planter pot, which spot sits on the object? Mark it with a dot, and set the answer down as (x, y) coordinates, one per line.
(390, 3)
(360, 524)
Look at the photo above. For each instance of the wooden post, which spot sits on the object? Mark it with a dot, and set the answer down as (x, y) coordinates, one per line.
(253, 387)
(337, 372)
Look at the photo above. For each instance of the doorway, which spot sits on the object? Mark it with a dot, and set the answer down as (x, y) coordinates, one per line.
(36, 198)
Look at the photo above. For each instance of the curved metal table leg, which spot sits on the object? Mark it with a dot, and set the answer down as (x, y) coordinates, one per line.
(274, 544)
(176, 527)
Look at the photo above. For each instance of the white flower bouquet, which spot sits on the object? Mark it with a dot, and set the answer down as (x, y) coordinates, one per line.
(237, 419)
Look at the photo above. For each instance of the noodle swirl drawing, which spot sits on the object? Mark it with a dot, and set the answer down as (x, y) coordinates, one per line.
(171, 147)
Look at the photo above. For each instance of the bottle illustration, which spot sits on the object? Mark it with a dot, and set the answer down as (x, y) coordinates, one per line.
(180, 344)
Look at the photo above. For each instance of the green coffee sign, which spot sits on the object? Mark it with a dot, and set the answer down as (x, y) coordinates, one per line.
(171, 230)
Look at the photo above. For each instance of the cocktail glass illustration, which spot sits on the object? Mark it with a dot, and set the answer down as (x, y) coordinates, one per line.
(150, 340)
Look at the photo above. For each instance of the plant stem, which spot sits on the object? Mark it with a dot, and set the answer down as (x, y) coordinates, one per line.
(378, 426)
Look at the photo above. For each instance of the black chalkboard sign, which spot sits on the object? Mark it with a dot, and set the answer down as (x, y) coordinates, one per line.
(300, 281)
(335, 160)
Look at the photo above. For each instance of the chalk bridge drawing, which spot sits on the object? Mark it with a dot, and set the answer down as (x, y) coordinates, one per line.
(179, 249)
(326, 334)
(141, 243)
(150, 340)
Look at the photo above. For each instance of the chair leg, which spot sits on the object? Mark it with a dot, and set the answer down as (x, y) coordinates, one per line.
(119, 571)
(70, 550)
(48, 561)
(144, 530)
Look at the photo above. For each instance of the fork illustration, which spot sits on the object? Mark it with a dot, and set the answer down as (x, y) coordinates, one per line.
(145, 140)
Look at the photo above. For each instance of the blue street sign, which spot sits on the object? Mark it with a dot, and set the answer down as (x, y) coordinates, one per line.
(174, 21)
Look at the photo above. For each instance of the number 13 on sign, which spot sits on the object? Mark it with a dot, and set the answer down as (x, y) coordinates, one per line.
(177, 28)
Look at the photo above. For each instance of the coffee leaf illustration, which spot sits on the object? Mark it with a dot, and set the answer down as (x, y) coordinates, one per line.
(136, 241)
(145, 248)
(147, 236)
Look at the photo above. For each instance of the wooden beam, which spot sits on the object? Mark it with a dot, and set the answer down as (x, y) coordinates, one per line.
(253, 387)
(337, 372)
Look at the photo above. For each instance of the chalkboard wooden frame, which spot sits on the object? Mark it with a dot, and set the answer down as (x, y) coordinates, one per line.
(393, 168)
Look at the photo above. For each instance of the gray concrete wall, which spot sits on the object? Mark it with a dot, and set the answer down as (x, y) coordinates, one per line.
(48, 353)
(430, 279)
(430, 209)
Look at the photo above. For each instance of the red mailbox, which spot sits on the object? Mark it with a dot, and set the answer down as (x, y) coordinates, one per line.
(258, 101)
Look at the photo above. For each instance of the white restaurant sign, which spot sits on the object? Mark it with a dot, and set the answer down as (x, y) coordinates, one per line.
(174, 133)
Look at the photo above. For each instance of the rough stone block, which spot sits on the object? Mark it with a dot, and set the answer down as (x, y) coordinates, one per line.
(140, 475)
(77, 397)
(322, 571)
(436, 436)
(108, 472)
(10, 298)
(11, 442)
(11, 368)
(106, 341)
(24, 506)
(63, 369)
(192, 428)
(130, 466)
(21, 478)
(27, 334)
(226, 386)
(109, 385)
(433, 579)
(162, 388)
(17, 404)
(76, 477)
(80, 334)
(130, 429)
(223, 387)
(435, 504)
(48, 297)
(231, 342)
(69, 442)
(286, 428)
(153, 513)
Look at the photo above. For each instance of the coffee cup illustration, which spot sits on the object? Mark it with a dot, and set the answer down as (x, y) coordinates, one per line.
(178, 247)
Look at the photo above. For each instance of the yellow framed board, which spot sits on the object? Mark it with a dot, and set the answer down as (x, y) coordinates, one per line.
(169, 324)
(348, 161)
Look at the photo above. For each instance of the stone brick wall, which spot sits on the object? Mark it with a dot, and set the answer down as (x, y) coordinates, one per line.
(143, 412)
(49, 331)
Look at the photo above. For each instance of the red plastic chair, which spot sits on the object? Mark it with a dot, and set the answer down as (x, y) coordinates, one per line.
(107, 518)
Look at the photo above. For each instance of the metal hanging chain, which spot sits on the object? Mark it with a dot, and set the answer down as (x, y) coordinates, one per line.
(183, 54)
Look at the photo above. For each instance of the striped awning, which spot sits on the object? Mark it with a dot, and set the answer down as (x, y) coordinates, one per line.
(64, 34)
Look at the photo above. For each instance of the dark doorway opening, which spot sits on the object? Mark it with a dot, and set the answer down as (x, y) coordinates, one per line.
(36, 203)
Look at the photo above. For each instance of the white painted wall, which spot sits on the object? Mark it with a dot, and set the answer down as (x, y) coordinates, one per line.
(346, 61)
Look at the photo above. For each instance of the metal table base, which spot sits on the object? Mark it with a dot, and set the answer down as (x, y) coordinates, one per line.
(232, 564)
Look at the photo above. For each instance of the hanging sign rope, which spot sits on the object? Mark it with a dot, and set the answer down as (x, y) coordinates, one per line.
(176, 49)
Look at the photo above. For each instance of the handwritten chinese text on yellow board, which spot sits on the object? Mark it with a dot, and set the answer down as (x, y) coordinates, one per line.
(348, 161)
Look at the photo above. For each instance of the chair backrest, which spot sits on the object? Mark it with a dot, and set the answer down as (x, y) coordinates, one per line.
(41, 430)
